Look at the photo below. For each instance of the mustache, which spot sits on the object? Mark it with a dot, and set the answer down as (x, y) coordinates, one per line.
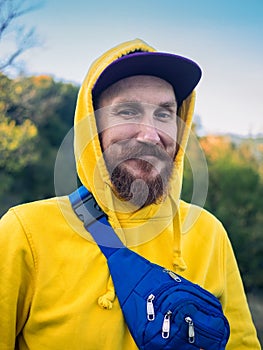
(136, 150)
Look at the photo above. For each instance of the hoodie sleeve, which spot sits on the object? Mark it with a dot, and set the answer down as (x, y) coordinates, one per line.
(16, 279)
(242, 331)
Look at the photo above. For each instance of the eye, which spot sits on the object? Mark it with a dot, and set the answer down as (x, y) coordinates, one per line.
(163, 115)
(128, 113)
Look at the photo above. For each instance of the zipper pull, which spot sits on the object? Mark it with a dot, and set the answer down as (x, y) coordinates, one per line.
(173, 275)
(150, 308)
(166, 325)
(191, 330)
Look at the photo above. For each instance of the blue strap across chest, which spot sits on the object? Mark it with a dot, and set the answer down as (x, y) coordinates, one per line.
(95, 221)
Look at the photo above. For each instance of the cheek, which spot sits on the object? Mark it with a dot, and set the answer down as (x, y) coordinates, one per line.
(169, 135)
(171, 131)
(169, 142)
(116, 133)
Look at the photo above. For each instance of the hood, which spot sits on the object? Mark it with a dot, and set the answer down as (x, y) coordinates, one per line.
(134, 227)
(92, 170)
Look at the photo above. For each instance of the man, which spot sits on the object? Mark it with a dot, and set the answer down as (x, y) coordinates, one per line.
(55, 290)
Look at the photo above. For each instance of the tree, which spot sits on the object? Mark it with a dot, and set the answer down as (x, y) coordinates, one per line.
(35, 115)
(235, 197)
(17, 141)
(51, 108)
(15, 38)
(16, 138)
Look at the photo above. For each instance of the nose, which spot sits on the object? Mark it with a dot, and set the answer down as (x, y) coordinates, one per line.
(148, 132)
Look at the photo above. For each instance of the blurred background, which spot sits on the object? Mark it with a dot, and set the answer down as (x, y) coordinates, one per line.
(46, 48)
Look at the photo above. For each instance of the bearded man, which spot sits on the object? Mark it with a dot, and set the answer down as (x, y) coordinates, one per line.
(132, 123)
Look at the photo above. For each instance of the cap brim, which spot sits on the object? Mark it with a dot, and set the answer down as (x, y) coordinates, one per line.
(182, 73)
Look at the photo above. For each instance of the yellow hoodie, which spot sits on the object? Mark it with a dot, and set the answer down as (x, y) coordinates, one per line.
(55, 288)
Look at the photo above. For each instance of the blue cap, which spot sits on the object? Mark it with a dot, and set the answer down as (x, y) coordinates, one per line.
(182, 73)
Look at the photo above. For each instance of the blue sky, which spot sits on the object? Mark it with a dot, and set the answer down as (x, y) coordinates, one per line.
(224, 37)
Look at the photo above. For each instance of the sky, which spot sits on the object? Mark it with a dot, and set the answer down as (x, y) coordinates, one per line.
(224, 37)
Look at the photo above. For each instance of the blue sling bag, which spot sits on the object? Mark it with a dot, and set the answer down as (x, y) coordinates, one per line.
(162, 309)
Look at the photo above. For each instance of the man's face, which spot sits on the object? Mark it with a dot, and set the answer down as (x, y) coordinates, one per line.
(137, 122)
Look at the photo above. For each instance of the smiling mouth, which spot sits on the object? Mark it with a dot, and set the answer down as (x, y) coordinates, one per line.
(146, 164)
(149, 158)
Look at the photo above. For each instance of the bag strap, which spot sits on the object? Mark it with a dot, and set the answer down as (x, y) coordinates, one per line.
(95, 221)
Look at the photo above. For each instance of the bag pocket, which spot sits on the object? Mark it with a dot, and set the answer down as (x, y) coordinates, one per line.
(182, 319)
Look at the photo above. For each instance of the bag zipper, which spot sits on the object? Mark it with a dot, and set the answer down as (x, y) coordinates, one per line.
(151, 297)
(150, 308)
(173, 275)
(166, 324)
(191, 329)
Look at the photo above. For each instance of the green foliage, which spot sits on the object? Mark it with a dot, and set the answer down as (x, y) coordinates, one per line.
(235, 197)
(16, 144)
(35, 115)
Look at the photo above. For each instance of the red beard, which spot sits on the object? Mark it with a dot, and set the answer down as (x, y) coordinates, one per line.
(143, 190)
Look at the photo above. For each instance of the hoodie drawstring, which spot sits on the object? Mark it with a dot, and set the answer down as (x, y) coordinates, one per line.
(106, 300)
(178, 261)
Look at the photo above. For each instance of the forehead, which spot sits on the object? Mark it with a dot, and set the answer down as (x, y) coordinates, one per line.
(145, 88)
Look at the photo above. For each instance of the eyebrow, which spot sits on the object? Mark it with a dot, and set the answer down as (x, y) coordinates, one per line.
(166, 104)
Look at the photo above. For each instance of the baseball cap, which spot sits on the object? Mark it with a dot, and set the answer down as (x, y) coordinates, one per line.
(182, 73)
